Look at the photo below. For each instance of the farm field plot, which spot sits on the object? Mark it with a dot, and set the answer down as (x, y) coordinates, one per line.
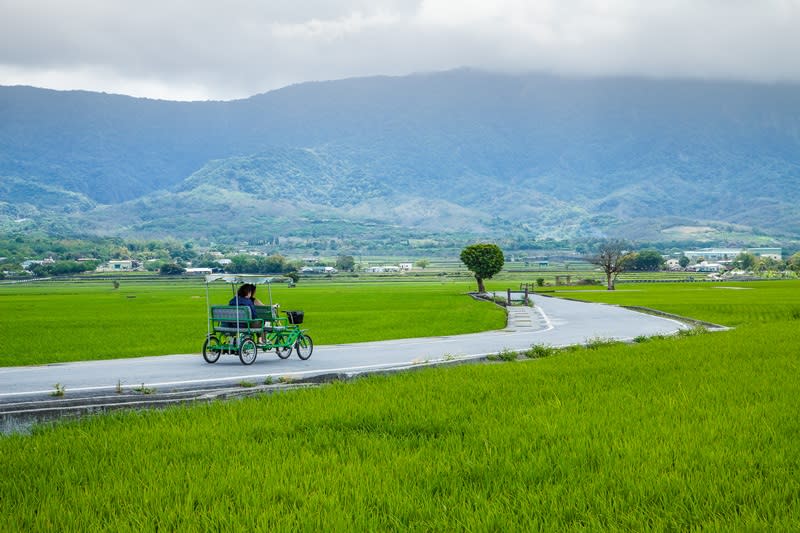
(686, 433)
(729, 304)
(71, 321)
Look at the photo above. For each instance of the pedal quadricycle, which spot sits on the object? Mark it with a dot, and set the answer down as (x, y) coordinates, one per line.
(242, 331)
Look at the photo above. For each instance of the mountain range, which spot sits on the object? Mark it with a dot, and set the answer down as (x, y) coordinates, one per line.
(463, 152)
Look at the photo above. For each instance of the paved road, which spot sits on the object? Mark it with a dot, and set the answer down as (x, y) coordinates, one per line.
(552, 321)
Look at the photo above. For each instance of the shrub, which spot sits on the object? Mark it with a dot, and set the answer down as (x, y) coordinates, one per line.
(540, 350)
(170, 269)
(697, 330)
(598, 342)
(505, 355)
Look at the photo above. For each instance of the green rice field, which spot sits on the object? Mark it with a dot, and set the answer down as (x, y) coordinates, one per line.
(729, 304)
(70, 321)
(697, 432)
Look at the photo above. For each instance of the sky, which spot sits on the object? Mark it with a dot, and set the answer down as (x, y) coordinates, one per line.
(222, 50)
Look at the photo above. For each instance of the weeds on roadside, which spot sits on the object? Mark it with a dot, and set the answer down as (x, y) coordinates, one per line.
(537, 351)
(59, 390)
(144, 390)
(594, 343)
(697, 330)
(246, 384)
(506, 354)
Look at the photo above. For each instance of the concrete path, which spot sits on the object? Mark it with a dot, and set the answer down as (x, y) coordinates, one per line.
(552, 321)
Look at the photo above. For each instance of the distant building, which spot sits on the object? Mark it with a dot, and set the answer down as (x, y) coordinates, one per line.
(30, 262)
(772, 253)
(382, 269)
(405, 266)
(122, 265)
(199, 271)
(705, 266)
(730, 254)
(318, 270)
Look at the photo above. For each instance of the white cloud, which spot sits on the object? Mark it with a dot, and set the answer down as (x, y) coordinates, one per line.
(200, 49)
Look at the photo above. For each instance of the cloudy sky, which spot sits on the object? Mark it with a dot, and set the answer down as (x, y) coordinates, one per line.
(202, 49)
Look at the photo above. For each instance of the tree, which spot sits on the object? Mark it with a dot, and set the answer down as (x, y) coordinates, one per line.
(293, 275)
(248, 264)
(683, 261)
(423, 263)
(768, 264)
(62, 268)
(345, 263)
(646, 261)
(612, 257)
(794, 262)
(483, 260)
(745, 261)
(170, 269)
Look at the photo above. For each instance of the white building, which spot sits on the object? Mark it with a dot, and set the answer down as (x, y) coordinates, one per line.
(199, 271)
(382, 269)
(705, 266)
(730, 254)
(318, 270)
(121, 265)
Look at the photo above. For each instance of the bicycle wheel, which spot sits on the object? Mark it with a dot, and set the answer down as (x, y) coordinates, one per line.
(248, 351)
(283, 351)
(304, 347)
(211, 349)
(278, 341)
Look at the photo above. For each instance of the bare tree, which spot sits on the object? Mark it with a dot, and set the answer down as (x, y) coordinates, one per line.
(611, 256)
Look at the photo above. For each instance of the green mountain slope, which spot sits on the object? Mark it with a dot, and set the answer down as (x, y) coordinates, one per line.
(459, 151)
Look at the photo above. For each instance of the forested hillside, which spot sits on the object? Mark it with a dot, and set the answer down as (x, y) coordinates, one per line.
(459, 151)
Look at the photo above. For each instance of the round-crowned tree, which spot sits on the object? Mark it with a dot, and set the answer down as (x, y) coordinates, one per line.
(483, 260)
(171, 269)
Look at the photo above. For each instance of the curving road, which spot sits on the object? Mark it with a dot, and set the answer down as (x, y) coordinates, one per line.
(552, 321)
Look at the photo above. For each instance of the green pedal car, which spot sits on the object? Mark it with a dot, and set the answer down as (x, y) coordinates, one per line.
(233, 330)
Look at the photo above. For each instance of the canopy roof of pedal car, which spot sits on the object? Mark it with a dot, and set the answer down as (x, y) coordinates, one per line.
(255, 279)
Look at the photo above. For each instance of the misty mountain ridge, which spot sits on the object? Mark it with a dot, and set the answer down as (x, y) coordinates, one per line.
(453, 152)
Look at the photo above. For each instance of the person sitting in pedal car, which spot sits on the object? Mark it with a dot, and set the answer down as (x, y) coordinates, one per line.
(245, 297)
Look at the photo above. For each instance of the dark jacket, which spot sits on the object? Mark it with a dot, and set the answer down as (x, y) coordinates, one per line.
(238, 300)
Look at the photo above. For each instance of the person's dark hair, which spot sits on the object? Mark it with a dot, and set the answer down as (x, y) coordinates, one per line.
(244, 290)
(252, 291)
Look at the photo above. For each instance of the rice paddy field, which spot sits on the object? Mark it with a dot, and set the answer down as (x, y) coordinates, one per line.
(729, 304)
(697, 432)
(51, 322)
